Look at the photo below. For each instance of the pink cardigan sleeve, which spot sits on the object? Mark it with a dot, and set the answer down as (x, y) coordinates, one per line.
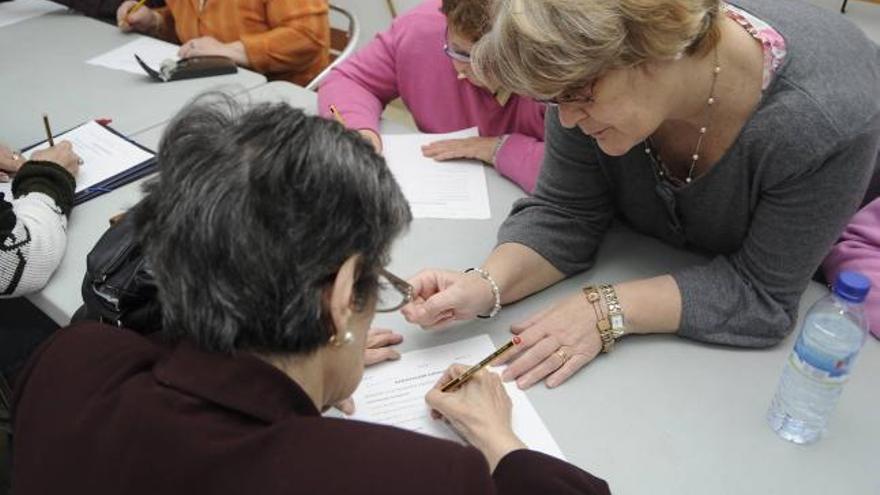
(859, 250)
(519, 159)
(362, 85)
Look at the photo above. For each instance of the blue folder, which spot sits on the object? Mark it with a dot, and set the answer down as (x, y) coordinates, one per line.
(132, 174)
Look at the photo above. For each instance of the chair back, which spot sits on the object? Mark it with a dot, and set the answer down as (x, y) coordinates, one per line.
(342, 42)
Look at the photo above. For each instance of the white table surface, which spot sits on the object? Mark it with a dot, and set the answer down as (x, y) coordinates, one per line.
(44, 69)
(660, 415)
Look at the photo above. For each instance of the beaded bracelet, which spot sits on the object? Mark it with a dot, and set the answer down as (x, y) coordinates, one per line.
(495, 291)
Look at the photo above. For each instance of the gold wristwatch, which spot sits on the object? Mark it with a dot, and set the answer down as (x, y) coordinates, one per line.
(615, 312)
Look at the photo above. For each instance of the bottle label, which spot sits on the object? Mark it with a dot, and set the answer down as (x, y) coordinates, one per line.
(819, 365)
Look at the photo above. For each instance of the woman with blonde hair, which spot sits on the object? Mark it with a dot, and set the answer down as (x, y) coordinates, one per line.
(747, 131)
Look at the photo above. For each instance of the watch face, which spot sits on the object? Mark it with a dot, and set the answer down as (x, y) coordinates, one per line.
(617, 324)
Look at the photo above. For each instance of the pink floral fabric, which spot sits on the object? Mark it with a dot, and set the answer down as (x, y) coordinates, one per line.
(771, 40)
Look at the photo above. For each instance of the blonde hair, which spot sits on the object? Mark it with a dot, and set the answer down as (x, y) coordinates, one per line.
(544, 48)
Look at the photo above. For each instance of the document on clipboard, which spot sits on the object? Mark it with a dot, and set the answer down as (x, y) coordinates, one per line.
(110, 160)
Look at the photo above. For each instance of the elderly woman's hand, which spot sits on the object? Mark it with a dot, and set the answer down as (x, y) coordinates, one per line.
(480, 410)
(442, 297)
(475, 148)
(144, 20)
(555, 344)
(10, 162)
(379, 342)
(62, 154)
(208, 46)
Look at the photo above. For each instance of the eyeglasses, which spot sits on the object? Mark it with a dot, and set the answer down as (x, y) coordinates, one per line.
(394, 292)
(572, 96)
(454, 54)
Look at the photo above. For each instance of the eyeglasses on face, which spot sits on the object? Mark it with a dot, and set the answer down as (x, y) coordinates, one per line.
(453, 53)
(394, 292)
(583, 94)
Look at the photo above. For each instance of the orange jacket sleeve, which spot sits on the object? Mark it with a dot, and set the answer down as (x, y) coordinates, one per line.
(299, 34)
(166, 26)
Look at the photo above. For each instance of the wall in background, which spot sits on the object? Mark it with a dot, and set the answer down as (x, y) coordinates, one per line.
(373, 14)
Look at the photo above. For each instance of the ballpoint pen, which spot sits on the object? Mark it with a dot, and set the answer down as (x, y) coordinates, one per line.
(464, 377)
(48, 130)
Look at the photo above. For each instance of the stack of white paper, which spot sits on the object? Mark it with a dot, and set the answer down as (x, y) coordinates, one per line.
(22, 10)
(393, 393)
(451, 189)
(152, 51)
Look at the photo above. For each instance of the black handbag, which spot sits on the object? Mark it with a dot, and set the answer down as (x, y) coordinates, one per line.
(119, 287)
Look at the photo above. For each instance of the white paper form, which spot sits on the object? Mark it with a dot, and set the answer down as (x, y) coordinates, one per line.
(104, 155)
(152, 51)
(393, 393)
(22, 10)
(452, 189)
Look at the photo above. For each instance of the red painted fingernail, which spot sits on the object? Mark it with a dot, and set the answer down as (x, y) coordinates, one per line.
(517, 340)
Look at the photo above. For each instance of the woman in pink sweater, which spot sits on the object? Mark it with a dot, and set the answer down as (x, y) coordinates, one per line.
(424, 58)
(859, 250)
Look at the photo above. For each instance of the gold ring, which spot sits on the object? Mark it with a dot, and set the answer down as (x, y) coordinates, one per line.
(562, 355)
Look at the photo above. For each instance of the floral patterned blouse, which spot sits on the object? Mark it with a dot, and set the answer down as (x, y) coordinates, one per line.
(772, 42)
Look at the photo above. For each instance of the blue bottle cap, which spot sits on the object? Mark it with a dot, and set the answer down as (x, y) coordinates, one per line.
(852, 286)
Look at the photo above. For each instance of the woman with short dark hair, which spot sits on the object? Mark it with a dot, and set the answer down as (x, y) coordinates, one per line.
(267, 231)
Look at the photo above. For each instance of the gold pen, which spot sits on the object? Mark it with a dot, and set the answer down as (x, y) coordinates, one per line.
(337, 115)
(48, 130)
(464, 377)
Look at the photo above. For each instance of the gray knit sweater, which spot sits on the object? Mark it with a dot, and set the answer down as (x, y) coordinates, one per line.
(768, 211)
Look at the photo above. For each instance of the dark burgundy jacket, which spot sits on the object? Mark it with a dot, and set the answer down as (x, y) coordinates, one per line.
(100, 410)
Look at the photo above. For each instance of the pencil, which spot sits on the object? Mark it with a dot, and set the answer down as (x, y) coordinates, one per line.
(48, 130)
(134, 8)
(464, 377)
(337, 115)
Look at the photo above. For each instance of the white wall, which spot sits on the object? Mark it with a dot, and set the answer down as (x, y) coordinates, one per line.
(373, 14)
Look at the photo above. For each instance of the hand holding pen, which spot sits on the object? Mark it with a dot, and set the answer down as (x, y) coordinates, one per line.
(134, 16)
(480, 411)
(61, 153)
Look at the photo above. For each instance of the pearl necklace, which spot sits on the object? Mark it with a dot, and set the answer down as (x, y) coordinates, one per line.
(657, 161)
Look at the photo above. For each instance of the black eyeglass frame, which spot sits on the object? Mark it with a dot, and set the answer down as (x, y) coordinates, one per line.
(571, 96)
(402, 286)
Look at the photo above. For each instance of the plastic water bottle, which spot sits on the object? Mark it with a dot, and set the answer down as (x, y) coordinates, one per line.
(830, 339)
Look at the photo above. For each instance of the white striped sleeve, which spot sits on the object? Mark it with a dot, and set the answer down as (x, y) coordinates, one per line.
(33, 249)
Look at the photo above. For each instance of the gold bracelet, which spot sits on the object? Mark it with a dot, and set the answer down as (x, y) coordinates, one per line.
(615, 311)
(603, 326)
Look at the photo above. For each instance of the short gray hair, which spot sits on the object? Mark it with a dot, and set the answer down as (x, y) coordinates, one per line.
(250, 218)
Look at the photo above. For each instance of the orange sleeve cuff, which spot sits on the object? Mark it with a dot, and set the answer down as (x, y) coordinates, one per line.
(166, 29)
(257, 49)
